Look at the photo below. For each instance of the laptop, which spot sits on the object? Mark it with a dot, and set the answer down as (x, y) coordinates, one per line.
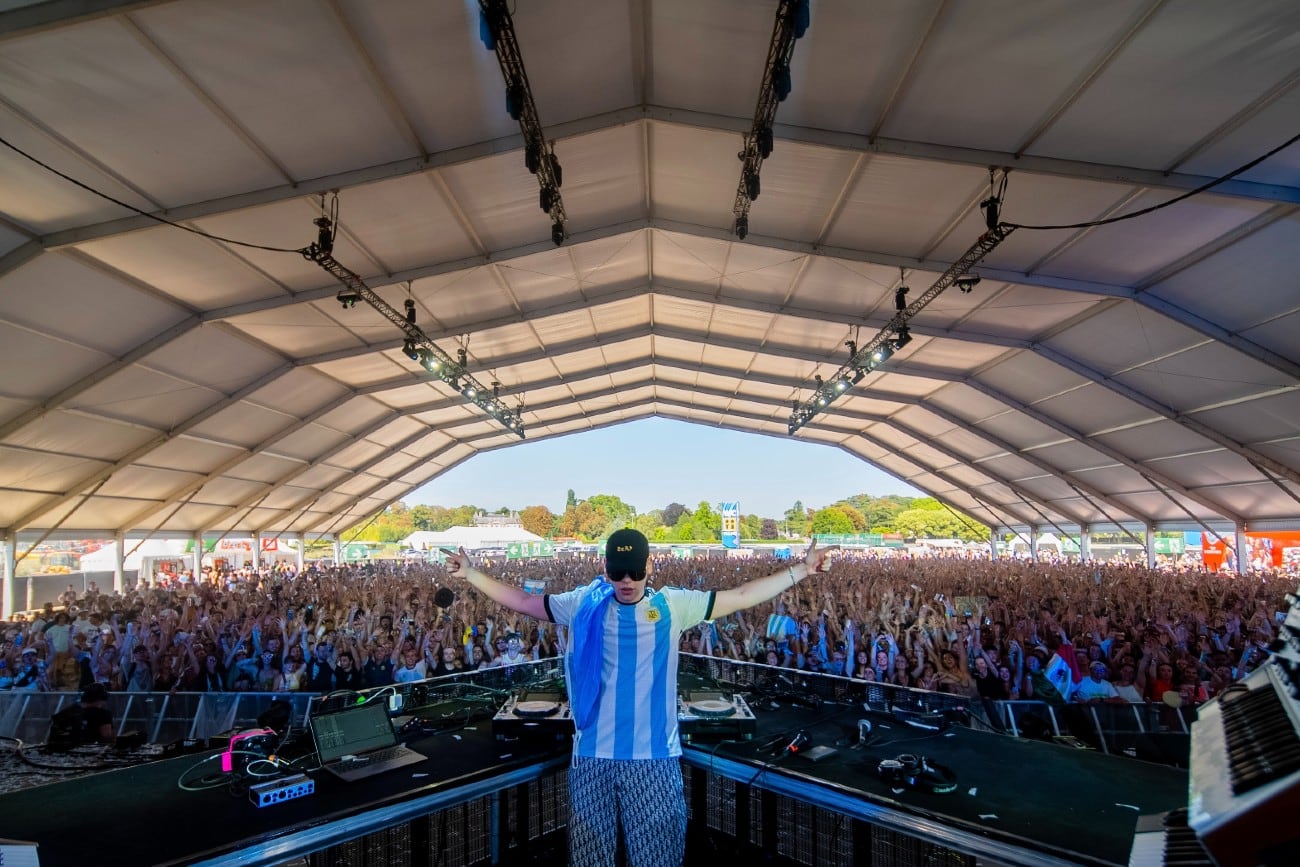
(359, 742)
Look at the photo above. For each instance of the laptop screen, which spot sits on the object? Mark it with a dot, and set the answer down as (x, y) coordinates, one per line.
(353, 731)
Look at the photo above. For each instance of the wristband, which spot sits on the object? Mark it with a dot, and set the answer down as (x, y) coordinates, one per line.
(793, 582)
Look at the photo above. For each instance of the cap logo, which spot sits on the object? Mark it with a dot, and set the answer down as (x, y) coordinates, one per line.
(622, 548)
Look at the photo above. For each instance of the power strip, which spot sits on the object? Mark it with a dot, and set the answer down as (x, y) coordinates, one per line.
(283, 789)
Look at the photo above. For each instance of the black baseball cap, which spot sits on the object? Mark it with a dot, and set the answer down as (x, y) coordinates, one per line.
(626, 551)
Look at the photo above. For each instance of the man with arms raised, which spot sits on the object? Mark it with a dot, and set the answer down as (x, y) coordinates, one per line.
(621, 672)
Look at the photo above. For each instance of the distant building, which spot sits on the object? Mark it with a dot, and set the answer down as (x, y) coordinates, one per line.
(485, 520)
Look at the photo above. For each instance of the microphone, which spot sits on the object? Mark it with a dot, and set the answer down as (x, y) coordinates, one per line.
(444, 597)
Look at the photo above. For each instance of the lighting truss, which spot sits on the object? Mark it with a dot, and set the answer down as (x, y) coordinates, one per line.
(894, 335)
(497, 30)
(417, 346)
(791, 22)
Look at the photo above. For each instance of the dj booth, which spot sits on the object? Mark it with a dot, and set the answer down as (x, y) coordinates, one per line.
(804, 769)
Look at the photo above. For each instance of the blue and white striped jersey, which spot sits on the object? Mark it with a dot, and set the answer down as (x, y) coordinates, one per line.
(637, 714)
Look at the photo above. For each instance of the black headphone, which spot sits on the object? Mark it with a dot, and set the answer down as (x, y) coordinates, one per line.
(917, 772)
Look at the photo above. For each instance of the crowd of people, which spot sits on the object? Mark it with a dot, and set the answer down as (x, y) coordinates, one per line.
(997, 629)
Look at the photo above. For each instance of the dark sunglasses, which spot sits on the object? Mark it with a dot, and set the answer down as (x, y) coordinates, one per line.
(620, 574)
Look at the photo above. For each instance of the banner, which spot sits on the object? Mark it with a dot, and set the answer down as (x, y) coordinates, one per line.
(537, 548)
(730, 524)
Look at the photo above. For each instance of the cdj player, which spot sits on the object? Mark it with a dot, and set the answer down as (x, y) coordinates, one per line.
(533, 713)
(714, 715)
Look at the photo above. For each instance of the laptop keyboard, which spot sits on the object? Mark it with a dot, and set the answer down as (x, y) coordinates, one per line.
(376, 756)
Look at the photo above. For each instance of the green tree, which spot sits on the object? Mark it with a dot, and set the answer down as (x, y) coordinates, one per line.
(795, 518)
(539, 520)
(831, 520)
(928, 524)
(751, 526)
(618, 513)
(648, 524)
(859, 520)
(571, 500)
(708, 523)
(422, 517)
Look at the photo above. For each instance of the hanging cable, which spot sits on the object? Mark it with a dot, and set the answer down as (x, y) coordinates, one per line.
(1175, 200)
(22, 153)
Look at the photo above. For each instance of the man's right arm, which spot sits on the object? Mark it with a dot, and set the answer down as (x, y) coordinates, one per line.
(514, 598)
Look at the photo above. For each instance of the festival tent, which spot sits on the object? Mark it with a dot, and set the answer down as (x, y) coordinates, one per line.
(469, 538)
(179, 360)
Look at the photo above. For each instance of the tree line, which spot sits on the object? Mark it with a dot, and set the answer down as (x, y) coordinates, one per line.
(592, 518)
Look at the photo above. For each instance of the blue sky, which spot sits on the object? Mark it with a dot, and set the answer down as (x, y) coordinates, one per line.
(653, 462)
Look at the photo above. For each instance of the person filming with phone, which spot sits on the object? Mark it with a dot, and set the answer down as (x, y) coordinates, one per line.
(621, 672)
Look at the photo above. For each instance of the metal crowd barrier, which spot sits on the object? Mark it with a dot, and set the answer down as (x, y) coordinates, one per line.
(167, 717)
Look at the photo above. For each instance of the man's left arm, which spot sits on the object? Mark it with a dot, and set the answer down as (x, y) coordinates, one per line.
(751, 593)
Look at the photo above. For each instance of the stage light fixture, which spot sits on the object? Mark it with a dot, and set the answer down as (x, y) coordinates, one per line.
(841, 384)
(742, 226)
(324, 232)
(410, 310)
(409, 350)
(752, 185)
(781, 82)
(763, 141)
(897, 334)
(348, 299)
(428, 360)
(900, 298)
(546, 199)
(557, 171)
(487, 31)
(800, 18)
(470, 391)
(532, 157)
(514, 100)
(462, 357)
(557, 233)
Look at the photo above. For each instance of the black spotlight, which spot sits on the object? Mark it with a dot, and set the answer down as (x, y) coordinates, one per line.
(900, 298)
(410, 311)
(348, 298)
(904, 337)
(752, 186)
(462, 357)
(781, 82)
(546, 199)
(515, 101)
(556, 171)
(557, 233)
(742, 226)
(763, 141)
(324, 235)
(487, 31)
(409, 350)
(800, 18)
(533, 157)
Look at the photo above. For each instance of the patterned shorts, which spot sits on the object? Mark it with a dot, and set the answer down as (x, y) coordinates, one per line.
(643, 796)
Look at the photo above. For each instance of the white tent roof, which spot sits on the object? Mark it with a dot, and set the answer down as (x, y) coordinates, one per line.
(158, 380)
(468, 537)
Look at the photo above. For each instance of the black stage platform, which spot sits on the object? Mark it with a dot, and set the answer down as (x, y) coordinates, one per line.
(1015, 802)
